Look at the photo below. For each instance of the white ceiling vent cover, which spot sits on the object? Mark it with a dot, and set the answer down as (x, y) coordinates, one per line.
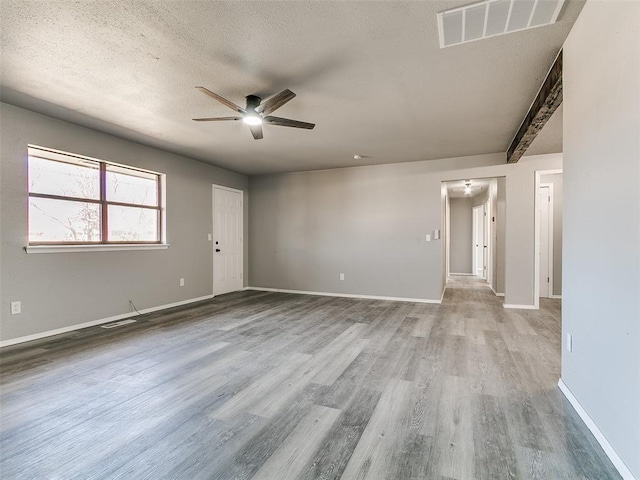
(494, 17)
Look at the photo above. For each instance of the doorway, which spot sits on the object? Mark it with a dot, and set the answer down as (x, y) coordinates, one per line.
(548, 235)
(475, 219)
(227, 239)
(545, 201)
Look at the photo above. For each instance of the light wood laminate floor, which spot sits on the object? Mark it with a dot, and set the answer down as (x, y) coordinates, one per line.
(256, 385)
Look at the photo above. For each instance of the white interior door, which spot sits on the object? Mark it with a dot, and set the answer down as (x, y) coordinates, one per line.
(478, 242)
(544, 198)
(227, 240)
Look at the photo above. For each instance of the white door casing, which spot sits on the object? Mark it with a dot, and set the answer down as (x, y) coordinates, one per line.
(227, 240)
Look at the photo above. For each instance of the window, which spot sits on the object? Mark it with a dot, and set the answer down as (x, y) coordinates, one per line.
(75, 200)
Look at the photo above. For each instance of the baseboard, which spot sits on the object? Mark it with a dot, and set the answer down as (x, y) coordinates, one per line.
(93, 323)
(559, 297)
(624, 471)
(443, 292)
(521, 307)
(496, 293)
(346, 295)
(451, 274)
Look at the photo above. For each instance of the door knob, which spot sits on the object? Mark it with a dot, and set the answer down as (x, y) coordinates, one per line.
(217, 249)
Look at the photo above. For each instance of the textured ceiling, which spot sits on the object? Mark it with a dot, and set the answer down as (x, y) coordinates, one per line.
(370, 75)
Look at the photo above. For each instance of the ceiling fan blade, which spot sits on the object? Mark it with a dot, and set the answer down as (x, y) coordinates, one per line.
(222, 100)
(256, 131)
(275, 102)
(216, 119)
(287, 122)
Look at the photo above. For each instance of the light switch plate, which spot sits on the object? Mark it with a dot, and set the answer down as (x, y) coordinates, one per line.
(16, 308)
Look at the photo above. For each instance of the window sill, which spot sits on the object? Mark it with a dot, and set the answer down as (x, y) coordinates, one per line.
(94, 248)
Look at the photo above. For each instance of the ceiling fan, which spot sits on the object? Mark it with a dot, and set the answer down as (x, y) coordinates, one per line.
(256, 113)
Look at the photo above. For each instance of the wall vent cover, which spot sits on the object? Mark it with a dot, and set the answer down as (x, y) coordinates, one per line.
(490, 18)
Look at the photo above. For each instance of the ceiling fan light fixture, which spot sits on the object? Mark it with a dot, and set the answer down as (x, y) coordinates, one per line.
(252, 119)
(256, 113)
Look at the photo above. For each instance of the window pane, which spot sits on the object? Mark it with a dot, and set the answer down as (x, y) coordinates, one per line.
(63, 221)
(130, 186)
(81, 179)
(131, 224)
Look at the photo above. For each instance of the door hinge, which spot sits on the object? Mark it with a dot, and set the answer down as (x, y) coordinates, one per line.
(547, 279)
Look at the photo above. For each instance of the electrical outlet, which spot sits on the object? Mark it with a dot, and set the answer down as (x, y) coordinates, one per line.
(569, 342)
(427, 237)
(342, 276)
(210, 237)
(182, 282)
(16, 308)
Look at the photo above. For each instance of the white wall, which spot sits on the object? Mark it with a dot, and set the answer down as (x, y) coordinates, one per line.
(370, 223)
(61, 290)
(601, 280)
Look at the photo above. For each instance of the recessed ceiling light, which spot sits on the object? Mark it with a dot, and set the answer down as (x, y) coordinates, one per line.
(357, 157)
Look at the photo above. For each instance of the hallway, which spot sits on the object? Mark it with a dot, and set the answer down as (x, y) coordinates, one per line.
(283, 386)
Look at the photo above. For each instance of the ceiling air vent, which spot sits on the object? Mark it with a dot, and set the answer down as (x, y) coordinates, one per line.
(494, 17)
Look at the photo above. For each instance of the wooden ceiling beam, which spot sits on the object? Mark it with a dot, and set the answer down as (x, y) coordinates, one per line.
(547, 101)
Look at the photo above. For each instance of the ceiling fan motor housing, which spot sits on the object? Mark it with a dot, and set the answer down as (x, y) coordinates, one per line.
(252, 103)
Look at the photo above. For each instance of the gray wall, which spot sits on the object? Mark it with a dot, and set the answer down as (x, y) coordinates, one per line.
(556, 180)
(370, 223)
(601, 287)
(60, 290)
(461, 236)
